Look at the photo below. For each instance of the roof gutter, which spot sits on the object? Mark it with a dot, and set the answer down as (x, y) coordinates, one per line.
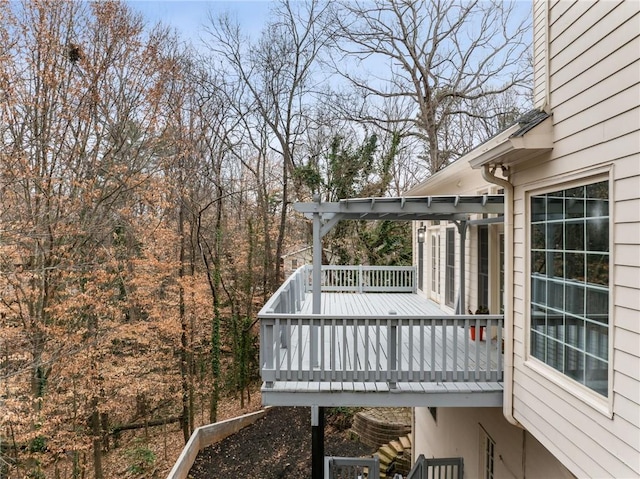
(488, 173)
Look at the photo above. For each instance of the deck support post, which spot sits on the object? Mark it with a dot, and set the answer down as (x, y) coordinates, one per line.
(317, 263)
(317, 284)
(317, 442)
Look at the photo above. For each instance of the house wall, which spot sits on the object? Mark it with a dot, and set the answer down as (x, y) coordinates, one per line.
(292, 261)
(594, 91)
(540, 57)
(458, 432)
(456, 179)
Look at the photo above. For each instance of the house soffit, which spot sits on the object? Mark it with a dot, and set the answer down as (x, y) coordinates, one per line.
(408, 208)
(527, 139)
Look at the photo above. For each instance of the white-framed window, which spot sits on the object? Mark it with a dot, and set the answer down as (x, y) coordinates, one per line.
(483, 268)
(569, 263)
(435, 264)
(501, 272)
(450, 264)
(487, 455)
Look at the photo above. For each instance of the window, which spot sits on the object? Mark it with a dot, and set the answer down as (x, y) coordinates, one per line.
(483, 268)
(435, 263)
(449, 285)
(294, 263)
(487, 455)
(489, 452)
(501, 287)
(570, 282)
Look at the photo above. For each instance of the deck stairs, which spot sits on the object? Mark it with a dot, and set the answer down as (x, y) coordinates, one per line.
(395, 457)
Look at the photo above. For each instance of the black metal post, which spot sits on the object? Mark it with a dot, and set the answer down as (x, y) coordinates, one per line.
(317, 442)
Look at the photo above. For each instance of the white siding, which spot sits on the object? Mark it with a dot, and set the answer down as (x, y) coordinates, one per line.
(457, 433)
(594, 90)
(540, 59)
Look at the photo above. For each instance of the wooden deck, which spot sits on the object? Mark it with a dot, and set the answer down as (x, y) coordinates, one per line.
(379, 349)
(404, 304)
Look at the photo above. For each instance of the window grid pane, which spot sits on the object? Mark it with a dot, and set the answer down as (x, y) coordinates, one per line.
(489, 457)
(435, 273)
(570, 282)
(483, 268)
(450, 268)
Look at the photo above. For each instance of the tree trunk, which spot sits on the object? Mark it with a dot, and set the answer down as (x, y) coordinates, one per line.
(186, 432)
(96, 432)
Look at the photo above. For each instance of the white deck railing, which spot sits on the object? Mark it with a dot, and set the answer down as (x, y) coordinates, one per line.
(387, 349)
(342, 279)
(378, 347)
(290, 295)
(366, 279)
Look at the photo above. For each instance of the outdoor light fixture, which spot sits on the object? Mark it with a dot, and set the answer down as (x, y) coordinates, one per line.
(421, 234)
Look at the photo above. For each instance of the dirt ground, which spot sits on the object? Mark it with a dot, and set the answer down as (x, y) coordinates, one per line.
(276, 446)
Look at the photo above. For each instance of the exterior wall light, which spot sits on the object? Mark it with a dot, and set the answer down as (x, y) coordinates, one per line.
(421, 234)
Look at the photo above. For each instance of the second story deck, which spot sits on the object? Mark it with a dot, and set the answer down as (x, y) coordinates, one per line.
(375, 343)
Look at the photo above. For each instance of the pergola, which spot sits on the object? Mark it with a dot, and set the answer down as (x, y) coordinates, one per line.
(454, 208)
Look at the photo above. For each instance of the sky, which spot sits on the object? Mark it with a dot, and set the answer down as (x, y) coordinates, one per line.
(189, 16)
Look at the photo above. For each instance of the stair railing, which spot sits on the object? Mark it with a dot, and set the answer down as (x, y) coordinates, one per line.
(445, 468)
(351, 467)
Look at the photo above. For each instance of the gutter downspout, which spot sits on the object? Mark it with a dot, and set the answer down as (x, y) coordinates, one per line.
(507, 408)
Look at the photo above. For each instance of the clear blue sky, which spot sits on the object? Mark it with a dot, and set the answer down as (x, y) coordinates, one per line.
(188, 16)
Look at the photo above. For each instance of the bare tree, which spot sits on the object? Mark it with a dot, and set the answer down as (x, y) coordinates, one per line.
(276, 80)
(435, 59)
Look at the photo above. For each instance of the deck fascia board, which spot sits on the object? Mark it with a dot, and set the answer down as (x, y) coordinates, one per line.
(405, 395)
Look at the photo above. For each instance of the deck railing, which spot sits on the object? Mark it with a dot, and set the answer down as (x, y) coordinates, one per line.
(341, 279)
(441, 468)
(366, 279)
(386, 349)
(290, 295)
(351, 467)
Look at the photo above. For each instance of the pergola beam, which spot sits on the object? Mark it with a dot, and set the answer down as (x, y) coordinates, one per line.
(453, 207)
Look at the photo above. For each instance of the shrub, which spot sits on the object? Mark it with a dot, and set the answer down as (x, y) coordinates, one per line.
(142, 459)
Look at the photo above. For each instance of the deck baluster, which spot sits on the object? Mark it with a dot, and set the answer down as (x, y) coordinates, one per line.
(332, 347)
(393, 353)
(432, 352)
(487, 338)
(466, 349)
(455, 350)
(444, 351)
(267, 350)
(477, 348)
(422, 331)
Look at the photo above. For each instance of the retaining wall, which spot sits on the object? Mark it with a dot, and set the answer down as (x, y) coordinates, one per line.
(379, 426)
(205, 436)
